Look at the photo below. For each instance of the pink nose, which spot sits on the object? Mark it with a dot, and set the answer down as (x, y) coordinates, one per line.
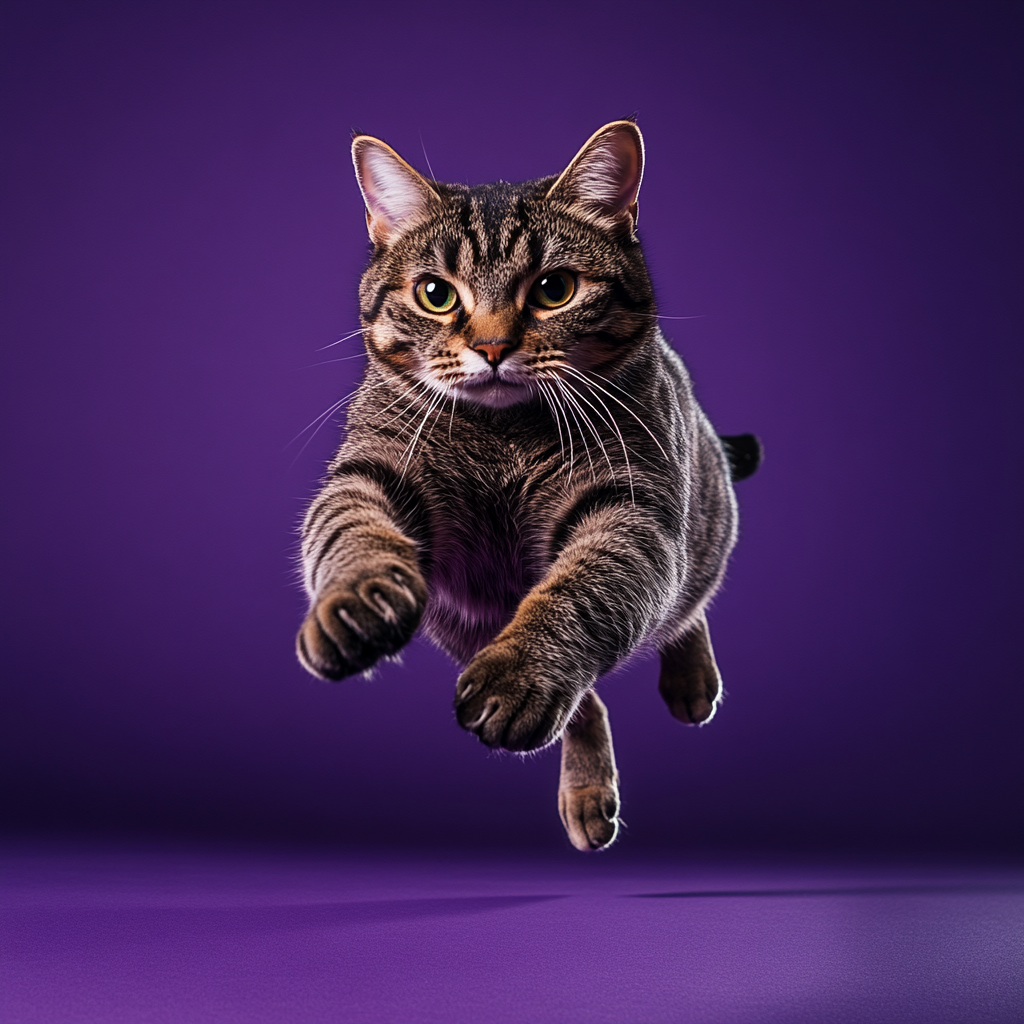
(493, 351)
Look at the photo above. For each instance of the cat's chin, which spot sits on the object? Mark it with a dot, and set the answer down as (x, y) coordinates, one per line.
(496, 393)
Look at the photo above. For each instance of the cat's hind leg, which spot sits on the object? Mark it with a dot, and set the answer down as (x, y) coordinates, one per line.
(690, 682)
(588, 791)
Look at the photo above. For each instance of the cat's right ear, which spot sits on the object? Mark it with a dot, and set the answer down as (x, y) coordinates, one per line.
(396, 196)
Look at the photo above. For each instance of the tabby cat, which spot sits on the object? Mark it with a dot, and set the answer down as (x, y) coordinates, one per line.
(525, 473)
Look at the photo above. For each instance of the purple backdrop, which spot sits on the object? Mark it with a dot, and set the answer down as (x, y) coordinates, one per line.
(832, 190)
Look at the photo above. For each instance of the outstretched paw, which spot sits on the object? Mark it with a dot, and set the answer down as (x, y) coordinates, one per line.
(590, 815)
(357, 621)
(510, 700)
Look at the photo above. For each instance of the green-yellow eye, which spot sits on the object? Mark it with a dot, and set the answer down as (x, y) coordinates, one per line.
(553, 290)
(435, 295)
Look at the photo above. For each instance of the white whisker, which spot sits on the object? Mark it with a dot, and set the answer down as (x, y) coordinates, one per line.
(427, 158)
(440, 409)
(319, 419)
(324, 416)
(659, 316)
(624, 406)
(578, 398)
(568, 431)
(451, 420)
(341, 359)
(412, 444)
(352, 334)
(575, 407)
(408, 391)
(554, 415)
(610, 420)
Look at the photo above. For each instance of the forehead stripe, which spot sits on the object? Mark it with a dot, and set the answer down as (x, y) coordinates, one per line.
(451, 254)
(536, 249)
(470, 232)
(517, 229)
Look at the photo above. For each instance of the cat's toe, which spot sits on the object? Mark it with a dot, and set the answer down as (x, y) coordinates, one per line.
(511, 720)
(690, 682)
(692, 701)
(505, 702)
(319, 654)
(699, 708)
(590, 815)
(350, 627)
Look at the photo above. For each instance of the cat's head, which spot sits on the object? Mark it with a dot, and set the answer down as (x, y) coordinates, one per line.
(489, 292)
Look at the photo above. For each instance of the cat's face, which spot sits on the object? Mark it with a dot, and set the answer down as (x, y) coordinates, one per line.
(487, 293)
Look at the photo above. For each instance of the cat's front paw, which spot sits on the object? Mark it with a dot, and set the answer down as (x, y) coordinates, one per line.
(359, 620)
(590, 815)
(510, 700)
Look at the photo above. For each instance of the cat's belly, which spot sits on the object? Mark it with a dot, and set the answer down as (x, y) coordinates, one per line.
(475, 589)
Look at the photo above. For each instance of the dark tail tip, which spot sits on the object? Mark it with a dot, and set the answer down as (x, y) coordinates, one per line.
(745, 454)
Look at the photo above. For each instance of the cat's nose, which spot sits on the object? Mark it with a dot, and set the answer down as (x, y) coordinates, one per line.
(493, 351)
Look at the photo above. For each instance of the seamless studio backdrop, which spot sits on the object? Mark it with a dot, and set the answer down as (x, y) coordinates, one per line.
(831, 208)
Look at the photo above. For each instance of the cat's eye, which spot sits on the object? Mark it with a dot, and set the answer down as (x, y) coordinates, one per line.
(553, 290)
(435, 295)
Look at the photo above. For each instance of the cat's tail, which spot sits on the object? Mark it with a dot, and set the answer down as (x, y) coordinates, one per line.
(744, 452)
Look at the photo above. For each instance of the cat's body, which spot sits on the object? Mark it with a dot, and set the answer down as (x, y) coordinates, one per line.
(488, 528)
(525, 472)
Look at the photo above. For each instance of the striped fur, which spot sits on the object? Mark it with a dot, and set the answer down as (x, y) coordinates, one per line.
(537, 489)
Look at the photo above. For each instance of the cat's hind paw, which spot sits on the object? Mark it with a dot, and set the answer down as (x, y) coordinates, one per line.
(590, 815)
(692, 701)
(354, 624)
(690, 683)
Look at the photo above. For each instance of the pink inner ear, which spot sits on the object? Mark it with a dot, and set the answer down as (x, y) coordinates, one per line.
(394, 193)
(609, 174)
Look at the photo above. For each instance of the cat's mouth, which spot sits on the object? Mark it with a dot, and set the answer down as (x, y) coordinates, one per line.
(495, 389)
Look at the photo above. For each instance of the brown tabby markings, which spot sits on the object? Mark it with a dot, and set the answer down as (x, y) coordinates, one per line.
(536, 486)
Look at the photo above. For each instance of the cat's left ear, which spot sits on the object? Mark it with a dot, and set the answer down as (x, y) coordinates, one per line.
(603, 180)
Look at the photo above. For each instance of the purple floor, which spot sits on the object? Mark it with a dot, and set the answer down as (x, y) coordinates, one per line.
(140, 935)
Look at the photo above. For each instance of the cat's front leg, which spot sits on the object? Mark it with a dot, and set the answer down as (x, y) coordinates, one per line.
(609, 585)
(588, 789)
(367, 594)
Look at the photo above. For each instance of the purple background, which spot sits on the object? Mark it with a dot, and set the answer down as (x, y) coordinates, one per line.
(833, 190)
